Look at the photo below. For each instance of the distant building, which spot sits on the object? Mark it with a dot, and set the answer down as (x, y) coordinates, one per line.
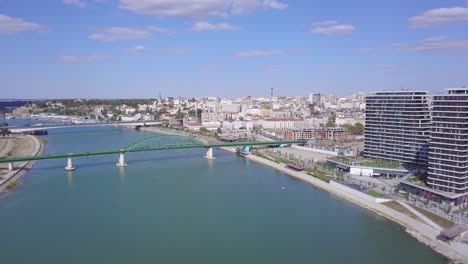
(230, 108)
(316, 133)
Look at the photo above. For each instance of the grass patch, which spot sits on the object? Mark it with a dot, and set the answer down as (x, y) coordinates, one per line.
(415, 180)
(399, 208)
(314, 172)
(261, 155)
(437, 219)
(381, 164)
(325, 178)
(43, 140)
(11, 186)
(375, 194)
(343, 159)
(282, 160)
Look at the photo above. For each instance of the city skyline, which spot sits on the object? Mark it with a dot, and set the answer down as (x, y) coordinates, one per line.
(138, 48)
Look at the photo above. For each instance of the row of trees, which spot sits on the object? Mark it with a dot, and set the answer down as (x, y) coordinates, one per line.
(4, 131)
(356, 129)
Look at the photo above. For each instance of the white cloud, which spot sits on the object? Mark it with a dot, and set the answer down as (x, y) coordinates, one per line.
(139, 49)
(440, 16)
(332, 66)
(325, 23)
(275, 68)
(259, 53)
(331, 27)
(367, 49)
(177, 51)
(120, 33)
(81, 59)
(78, 3)
(239, 7)
(9, 25)
(197, 9)
(124, 33)
(205, 26)
(211, 68)
(162, 30)
(274, 4)
(442, 45)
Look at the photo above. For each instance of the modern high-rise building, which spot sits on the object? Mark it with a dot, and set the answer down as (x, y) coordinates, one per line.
(397, 127)
(448, 149)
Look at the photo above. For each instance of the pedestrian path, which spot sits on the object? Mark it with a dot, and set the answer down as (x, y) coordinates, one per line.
(421, 216)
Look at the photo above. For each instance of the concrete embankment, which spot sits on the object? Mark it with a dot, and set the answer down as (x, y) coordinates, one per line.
(426, 234)
(27, 146)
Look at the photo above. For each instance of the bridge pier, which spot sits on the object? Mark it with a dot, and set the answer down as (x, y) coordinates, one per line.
(209, 154)
(121, 162)
(69, 166)
(11, 167)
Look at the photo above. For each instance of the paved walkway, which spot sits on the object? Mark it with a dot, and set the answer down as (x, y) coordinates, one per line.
(421, 216)
(19, 168)
(6, 144)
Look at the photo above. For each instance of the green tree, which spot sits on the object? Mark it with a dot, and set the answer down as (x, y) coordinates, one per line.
(331, 120)
(356, 129)
(4, 131)
(199, 112)
(179, 114)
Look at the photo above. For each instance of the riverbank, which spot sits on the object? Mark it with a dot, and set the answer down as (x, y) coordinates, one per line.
(455, 251)
(18, 146)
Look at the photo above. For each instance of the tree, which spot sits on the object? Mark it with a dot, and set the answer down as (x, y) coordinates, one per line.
(356, 129)
(330, 124)
(179, 114)
(203, 129)
(4, 131)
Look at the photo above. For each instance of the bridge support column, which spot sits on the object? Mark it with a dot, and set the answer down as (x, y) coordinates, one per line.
(69, 166)
(11, 167)
(209, 153)
(121, 162)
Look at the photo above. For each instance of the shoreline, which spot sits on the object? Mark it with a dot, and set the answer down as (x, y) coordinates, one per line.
(22, 168)
(457, 252)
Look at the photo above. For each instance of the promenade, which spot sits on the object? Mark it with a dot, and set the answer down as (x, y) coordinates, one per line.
(18, 146)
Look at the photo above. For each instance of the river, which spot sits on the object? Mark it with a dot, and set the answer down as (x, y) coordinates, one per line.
(177, 207)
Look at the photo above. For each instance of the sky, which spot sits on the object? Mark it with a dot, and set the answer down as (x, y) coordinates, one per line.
(229, 48)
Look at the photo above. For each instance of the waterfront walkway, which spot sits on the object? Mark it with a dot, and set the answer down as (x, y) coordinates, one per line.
(421, 216)
(20, 169)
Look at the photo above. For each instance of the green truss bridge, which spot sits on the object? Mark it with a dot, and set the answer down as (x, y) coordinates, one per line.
(156, 143)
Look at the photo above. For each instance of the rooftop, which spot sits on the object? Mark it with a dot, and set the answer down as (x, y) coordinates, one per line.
(454, 231)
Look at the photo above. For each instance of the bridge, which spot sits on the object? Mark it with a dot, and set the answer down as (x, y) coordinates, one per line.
(21, 129)
(151, 144)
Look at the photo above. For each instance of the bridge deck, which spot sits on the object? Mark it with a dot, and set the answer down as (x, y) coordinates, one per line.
(167, 147)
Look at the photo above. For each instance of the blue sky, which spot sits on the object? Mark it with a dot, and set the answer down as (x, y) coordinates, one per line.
(138, 48)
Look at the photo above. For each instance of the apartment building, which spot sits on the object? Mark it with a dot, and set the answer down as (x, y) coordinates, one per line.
(448, 149)
(398, 127)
